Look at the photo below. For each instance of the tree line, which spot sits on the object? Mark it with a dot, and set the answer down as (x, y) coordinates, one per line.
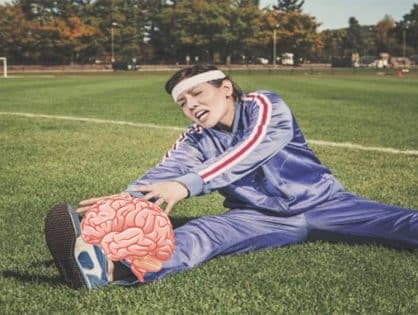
(180, 31)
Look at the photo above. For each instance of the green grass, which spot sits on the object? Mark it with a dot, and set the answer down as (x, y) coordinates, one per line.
(45, 161)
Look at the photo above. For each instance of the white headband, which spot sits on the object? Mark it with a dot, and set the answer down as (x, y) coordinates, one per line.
(188, 83)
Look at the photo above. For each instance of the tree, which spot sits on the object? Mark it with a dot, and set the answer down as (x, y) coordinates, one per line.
(245, 31)
(61, 40)
(132, 17)
(332, 44)
(208, 30)
(354, 38)
(127, 18)
(16, 40)
(409, 23)
(385, 40)
(296, 32)
(369, 40)
(289, 5)
(57, 31)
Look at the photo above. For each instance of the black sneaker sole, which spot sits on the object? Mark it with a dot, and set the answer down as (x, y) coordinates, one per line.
(60, 237)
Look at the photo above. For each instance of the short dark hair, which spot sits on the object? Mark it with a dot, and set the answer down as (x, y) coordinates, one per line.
(190, 71)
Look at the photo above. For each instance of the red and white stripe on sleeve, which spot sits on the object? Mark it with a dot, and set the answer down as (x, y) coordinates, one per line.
(248, 146)
(194, 128)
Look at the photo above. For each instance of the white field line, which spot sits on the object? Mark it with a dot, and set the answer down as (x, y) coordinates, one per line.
(93, 120)
(354, 146)
(346, 145)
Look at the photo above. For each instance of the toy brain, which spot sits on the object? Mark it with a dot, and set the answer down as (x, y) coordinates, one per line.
(131, 229)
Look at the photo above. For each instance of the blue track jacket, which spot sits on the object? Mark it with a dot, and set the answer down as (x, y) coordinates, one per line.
(264, 163)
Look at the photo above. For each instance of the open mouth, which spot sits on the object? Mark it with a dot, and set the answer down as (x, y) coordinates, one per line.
(201, 114)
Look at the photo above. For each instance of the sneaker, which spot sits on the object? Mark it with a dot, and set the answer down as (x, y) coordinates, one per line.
(80, 264)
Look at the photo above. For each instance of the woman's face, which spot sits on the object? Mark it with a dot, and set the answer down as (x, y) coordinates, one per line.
(208, 105)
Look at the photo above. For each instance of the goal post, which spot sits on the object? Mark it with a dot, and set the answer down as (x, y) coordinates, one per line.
(4, 60)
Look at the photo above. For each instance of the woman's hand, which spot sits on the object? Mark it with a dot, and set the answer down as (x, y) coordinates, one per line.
(169, 193)
(85, 204)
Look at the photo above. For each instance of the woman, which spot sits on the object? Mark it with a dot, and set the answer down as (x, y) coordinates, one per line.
(250, 149)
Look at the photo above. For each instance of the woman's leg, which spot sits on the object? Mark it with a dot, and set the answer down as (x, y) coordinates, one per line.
(351, 218)
(235, 231)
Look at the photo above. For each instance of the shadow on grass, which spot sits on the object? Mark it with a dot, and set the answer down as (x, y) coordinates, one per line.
(44, 263)
(30, 278)
(55, 281)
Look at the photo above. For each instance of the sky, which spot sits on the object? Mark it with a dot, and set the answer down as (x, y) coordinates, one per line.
(335, 13)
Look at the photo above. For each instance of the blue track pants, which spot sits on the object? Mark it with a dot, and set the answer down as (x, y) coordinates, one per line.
(346, 218)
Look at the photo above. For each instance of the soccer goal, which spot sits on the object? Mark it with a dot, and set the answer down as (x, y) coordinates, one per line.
(4, 60)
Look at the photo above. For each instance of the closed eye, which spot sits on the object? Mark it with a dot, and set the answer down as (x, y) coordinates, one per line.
(181, 102)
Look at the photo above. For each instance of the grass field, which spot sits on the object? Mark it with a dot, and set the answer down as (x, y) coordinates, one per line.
(44, 161)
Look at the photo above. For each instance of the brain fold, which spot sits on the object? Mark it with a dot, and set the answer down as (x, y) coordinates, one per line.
(131, 229)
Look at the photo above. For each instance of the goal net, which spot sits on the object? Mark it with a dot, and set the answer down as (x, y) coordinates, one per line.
(3, 60)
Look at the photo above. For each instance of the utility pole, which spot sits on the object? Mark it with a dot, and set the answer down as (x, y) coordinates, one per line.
(114, 24)
(275, 43)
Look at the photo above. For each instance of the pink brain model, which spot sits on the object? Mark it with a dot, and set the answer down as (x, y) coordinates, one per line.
(131, 229)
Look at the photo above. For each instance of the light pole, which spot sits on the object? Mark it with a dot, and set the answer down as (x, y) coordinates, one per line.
(404, 40)
(274, 43)
(114, 24)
